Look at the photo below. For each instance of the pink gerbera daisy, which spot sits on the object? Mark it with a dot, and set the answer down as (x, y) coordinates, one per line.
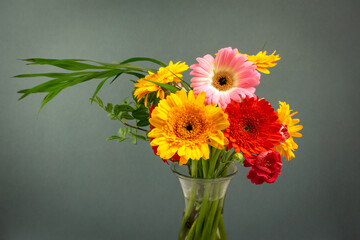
(229, 76)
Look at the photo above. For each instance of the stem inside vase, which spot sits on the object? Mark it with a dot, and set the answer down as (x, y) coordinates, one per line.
(204, 203)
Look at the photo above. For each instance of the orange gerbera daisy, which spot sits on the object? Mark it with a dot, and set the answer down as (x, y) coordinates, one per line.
(254, 126)
(286, 148)
(263, 61)
(184, 125)
(168, 74)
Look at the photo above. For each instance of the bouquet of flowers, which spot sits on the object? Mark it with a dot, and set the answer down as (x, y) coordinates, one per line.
(204, 126)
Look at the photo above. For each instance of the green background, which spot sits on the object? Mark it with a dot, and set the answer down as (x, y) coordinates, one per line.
(60, 179)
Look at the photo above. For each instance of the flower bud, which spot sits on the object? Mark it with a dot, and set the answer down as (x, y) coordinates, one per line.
(238, 157)
(285, 133)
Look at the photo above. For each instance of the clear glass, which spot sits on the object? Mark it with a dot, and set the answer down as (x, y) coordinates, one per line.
(204, 202)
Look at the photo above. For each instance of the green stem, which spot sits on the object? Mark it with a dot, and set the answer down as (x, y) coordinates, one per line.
(217, 219)
(226, 158)
(194, 168)
(191, 203)
(200, 169)
(202, 212)
(208, 226)
(203, 218)
(223, 170)
(225, 164)
(222, 229)
(135, 127)
(190, 236)
(212, 162)
(186, 85)
(262, 49)
(205, 165)
(132, 67)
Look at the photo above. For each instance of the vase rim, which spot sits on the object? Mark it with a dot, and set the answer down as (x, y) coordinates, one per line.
(174, 165)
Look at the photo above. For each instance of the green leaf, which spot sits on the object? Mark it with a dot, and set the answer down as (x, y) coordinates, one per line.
(143, 123)
(90, 76)
(138, 75)
(164, 85)
(68, 64)
(47, 98)
(137, 59)
(124, 108)
(78, 65)
(126, 130)
(112, 138)
(124, 101)
(126, 115)
(50, 75)
(58, 84)
(133, 135)
(137, 136)
(121, 132)
(61, 81)
(115, 77)
(99, 87)
(46, 86)
(100, 102)
(185, 85)
(116, 110)
(119, 139)
(140, 113)
(109, 107)
(122, 139)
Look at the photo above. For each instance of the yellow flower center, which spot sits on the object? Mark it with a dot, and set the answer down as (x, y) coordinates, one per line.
(222, 81)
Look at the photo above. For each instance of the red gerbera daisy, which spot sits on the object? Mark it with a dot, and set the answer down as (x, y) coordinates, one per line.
(254, 126)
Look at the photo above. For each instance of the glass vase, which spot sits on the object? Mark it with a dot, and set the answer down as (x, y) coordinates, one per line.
(204, 203)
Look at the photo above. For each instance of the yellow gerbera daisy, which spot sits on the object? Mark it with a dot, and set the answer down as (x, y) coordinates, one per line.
(170, 73)
(286, 148)
(263, 61)
(183, 124)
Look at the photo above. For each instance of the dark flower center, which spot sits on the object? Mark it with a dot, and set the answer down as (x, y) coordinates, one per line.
(189, 127)
(222, 81)
(246, 128)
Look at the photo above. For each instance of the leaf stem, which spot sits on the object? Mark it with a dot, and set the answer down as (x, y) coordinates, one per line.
(123, 122)
(262, 49)
(135, 127)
